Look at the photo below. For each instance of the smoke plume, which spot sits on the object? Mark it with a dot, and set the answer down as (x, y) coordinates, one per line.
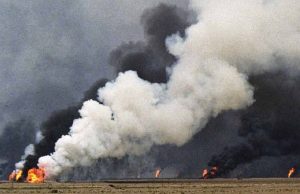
(51, 51)
(136, 114)
(54, 127)
(16, 135)
(231, 41)
(59, 122)
(150, 58)
(269, 127)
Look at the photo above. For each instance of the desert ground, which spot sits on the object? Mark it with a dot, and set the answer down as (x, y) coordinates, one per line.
(267, 186)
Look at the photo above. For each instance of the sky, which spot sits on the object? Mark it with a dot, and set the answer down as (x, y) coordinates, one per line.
(51, 51)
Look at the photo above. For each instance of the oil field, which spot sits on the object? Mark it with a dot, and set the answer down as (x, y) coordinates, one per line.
(180, 186)
(160, 96)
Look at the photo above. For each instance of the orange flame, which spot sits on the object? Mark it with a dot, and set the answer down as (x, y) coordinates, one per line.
(205, 173)
(19, 175)
(291, 172)
(15, 175)
(12, 176)
(157, 173)
(212, 173)
(36, 175)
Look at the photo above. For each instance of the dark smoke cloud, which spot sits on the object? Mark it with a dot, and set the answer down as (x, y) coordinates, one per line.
(16, 136)
(267, 131)
(91, 93)
(149, 59)
(269, 128)
(191, 158)
(51, 51)
(56, 125)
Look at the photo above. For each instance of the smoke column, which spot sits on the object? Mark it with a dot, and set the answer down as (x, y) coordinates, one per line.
(130, 56)
(269, 128)
(15, 137)
(231, 40)
(150, 58)
(54, 127)
(136, 114)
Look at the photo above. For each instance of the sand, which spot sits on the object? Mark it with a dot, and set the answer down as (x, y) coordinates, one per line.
(185, 186)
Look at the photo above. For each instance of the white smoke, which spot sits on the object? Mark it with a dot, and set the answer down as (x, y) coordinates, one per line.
(29, 150)
(232, 39)
(250, 35)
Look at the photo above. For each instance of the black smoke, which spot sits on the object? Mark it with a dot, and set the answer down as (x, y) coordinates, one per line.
(52, 51)
(149, 58)
(266, 134)
(269, 128)
(56, 125)
(16, 136)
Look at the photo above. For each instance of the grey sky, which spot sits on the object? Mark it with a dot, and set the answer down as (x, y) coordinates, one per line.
(51, 51)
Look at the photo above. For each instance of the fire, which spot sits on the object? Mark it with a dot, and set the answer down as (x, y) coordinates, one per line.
(212, 173)
(291, 172)
(15, 175)
(205, 173)
(36, 175)
(157, 173)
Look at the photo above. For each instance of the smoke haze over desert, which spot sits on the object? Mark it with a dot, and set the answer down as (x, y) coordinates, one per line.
(188, 85)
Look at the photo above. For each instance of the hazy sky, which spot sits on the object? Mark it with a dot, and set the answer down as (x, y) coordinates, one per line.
(51, 51)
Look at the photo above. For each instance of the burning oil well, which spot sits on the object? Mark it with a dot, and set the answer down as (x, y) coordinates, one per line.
(34, 175)
(234, 60)
(292, 172)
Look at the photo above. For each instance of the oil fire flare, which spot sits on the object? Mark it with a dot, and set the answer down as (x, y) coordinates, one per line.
(291, 172)
(212, 173)
(36, 175)
(15, 175)
(205, 173)
(157, 173)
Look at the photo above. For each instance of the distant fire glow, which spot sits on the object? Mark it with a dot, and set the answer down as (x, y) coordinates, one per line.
(291, 172)
(212, 173)
(15, 175)
(205, 173)
(157, 173)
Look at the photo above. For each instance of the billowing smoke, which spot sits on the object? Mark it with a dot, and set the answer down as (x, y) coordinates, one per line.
(54, 127)
(269, 128)
(136, 114)
(231, 41)
(52, 51)
(151, 57)
(16, 135)
(207, 80)
(59, 122)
